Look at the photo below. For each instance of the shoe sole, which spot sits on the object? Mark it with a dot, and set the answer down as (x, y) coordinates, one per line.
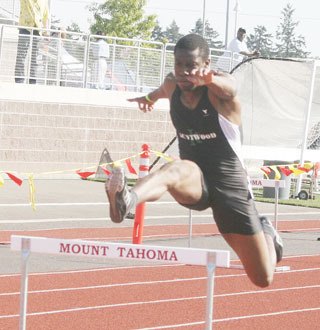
(279, 249)
(278, 246)
(112, 191)
(112, 196)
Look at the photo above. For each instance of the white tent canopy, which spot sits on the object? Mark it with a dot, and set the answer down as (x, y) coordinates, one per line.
(280, 108)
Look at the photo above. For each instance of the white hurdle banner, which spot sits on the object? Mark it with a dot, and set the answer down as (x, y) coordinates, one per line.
(94, 249)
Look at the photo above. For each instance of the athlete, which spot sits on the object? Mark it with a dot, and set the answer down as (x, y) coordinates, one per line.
(206, 114)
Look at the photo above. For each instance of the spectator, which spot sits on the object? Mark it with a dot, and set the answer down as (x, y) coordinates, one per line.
(102, 55)
(33, 14)
(55, 51)
(239, 50)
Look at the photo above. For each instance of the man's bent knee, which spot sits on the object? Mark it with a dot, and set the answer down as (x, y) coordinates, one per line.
(181, 169)
(262, 280)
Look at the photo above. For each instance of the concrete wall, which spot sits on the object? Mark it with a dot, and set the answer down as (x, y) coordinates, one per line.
(44, 129)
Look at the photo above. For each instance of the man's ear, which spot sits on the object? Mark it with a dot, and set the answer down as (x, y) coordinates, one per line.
(207, 62)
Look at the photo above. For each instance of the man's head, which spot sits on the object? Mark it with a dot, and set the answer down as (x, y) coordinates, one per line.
(192, 42)
(241, 34)
(190, 53)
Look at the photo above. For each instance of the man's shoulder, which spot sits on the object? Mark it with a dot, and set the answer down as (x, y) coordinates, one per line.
(169, 84)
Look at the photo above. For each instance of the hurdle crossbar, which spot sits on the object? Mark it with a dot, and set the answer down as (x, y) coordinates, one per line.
(95, 249)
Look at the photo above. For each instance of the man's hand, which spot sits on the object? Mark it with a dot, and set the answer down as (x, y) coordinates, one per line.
(143, 103)
(201, 77)
(256, 53)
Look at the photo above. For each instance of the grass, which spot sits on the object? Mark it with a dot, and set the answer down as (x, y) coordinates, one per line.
(292, 201)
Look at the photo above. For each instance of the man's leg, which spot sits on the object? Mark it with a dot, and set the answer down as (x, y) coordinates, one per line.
(181, 178)
(257, 254)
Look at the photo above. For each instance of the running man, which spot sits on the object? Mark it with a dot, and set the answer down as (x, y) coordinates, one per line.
(206, 113)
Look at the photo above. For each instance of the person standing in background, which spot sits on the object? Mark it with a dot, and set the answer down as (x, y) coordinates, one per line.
(102, 58)
(33, 14)
(239, 50)
(238, 45)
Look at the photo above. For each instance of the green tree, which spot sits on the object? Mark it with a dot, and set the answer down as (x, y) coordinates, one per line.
(158, 34)
(209, 34)
(172, 33)
(122, 18)
(261, 40)
(74, 27)
(289, 44)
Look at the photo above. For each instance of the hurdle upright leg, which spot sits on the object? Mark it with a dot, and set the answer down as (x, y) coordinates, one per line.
(190, 228)
(25, 253)
(211, 267)
(276, 204)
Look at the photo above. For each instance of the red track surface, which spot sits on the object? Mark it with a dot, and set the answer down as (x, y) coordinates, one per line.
(162, 296)
(154, 232)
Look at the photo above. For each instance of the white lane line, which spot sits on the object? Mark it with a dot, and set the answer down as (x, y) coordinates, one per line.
(173, 281)
(48, 220)
(107, 228)
(159, 217)
(160, 301)
(233, 318)
(268, 314)
(76, 204)
(105, 286)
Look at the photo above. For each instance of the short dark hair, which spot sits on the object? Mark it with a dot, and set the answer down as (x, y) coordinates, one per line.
(191, 42)
(242, 30)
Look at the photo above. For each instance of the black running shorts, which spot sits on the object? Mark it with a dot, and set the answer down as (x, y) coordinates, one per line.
(233, 209)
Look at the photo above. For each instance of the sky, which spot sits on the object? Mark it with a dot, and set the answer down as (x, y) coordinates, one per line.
(186, 12)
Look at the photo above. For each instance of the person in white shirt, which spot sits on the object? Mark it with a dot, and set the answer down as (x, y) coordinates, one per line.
(102, 64)
(239, 52)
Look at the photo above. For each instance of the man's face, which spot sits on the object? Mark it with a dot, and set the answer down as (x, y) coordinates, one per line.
(184, 62)
(241, 36)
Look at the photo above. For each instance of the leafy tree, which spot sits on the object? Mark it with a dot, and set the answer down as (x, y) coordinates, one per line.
(289, 44)
(209, 34)
(122, 18)
(261, 40)
(74, 27)
(158, 34)
(172, 33)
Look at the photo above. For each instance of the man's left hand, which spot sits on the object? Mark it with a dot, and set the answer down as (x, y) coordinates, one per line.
(201, 77)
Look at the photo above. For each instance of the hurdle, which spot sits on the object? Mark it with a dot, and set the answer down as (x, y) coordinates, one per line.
(95, 249)
(276, 184)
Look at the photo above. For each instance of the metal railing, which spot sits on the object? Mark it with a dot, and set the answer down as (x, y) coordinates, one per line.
(72, 59)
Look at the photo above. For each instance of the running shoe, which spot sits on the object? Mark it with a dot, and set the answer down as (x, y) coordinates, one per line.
(106, 158)
(120, 198)
(270, 230)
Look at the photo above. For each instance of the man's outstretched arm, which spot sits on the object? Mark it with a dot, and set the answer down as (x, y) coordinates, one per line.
(165, 90)
(222, 85)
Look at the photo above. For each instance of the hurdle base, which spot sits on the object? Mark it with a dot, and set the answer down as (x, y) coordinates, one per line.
(278, 269)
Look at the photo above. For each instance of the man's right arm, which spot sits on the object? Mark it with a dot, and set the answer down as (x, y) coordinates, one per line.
(165, 90)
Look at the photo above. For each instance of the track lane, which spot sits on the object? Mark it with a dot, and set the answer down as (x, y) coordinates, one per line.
(153, 231)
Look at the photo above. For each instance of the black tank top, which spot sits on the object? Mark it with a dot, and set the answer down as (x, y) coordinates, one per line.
(208, 139)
